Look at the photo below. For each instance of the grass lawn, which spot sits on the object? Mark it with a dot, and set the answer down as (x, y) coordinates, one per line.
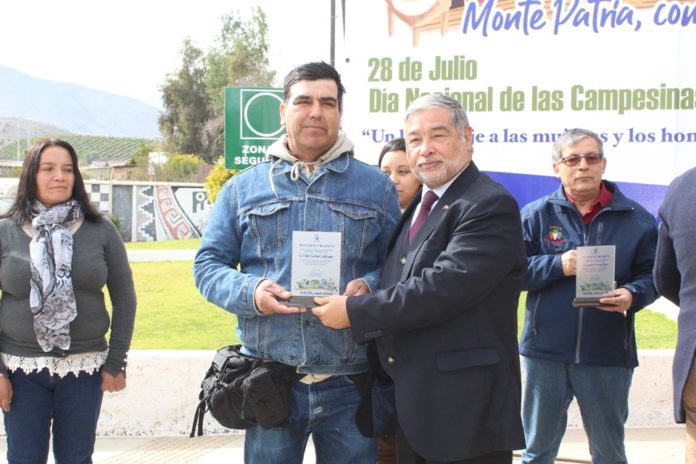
(191, 244)
(173, 316)
(653, 330)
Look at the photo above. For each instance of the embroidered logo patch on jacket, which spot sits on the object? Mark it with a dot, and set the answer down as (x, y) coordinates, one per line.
(555, 236)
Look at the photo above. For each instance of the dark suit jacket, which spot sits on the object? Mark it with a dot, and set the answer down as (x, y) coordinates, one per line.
(445, 322)
(675, 274)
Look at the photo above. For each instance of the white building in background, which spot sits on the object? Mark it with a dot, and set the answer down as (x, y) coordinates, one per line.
(8, 192)
(155, 160)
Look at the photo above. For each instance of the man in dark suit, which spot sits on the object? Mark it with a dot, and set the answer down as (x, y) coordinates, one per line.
(445, 321)
(675, 279)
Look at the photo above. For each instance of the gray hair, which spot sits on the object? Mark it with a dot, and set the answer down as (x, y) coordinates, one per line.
(570, 138)
(435, 100)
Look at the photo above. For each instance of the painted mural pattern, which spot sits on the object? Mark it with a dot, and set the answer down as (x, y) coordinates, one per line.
(175, 223)
(153, 212)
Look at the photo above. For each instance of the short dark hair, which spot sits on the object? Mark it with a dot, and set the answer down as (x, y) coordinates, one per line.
(313, 72)
(398, 144)
(23, 208)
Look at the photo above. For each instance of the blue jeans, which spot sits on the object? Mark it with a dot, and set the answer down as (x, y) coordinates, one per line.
(72, 403)
(602, 396)
(327, 411)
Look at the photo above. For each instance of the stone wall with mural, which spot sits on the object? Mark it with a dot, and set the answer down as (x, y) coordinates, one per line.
(150, 211)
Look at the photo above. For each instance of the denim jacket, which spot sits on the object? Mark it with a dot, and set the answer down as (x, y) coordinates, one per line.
(248, 238)
(553, 328)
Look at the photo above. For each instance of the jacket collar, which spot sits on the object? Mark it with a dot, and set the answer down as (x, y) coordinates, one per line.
(453, 193)
(618, 200)
(338, 164)
(334, 159)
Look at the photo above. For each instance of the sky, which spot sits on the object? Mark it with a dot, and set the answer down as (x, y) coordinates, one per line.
(127, 47)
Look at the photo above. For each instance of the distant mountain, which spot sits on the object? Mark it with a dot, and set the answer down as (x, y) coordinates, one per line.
(16, 128)
(75, 108)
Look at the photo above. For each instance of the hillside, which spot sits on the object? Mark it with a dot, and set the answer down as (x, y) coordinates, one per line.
(89, 148)
(75, 108)
(13, 128)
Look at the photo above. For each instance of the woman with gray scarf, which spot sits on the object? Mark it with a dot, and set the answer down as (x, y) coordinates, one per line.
(56, 255)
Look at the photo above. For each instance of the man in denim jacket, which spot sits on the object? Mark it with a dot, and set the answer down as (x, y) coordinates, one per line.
(588, 353)
(311, 182)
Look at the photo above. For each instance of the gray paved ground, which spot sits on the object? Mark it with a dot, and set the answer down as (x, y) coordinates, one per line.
(647, 445)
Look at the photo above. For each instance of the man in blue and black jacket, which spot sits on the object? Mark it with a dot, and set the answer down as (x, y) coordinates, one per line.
(588, 353)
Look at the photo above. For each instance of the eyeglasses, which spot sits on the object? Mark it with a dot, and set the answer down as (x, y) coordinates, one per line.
(574, 160)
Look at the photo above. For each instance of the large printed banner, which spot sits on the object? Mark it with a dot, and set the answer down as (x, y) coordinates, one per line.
(527, 70)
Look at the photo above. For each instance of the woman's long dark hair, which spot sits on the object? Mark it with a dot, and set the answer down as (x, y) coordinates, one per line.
(22, 209)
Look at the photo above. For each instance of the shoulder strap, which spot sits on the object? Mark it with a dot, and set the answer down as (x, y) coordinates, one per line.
(197, 427)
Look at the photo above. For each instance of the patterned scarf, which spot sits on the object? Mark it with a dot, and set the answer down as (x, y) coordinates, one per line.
(52, 298)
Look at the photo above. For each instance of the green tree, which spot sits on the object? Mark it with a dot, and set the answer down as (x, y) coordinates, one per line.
(179, 168)
(186, 105)
(140, 161)
(240, 57)
(193, 120)
(217, 178)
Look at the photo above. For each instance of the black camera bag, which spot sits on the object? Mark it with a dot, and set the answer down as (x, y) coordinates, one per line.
(240, 391)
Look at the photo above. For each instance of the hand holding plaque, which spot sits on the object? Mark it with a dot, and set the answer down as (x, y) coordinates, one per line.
(316, 267)
(595, 274)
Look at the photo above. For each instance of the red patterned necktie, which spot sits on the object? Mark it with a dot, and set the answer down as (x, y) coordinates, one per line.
(427, 203)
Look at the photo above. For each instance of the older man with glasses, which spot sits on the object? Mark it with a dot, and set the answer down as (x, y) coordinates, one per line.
(588, 352)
